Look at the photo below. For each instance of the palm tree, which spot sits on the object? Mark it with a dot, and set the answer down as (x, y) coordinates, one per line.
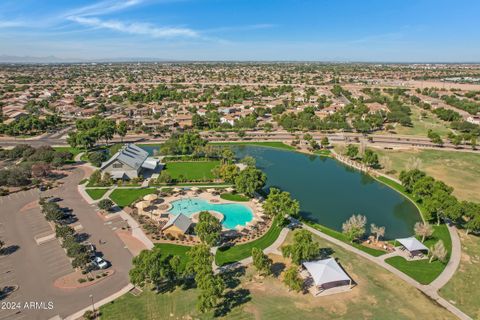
(378, 231)
(438, 251)
(423, 229)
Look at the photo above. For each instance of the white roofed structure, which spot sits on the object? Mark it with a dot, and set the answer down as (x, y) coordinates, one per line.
(327, 273)
(412, 244)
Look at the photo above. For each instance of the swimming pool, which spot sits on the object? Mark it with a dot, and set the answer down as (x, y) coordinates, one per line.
(234, 214)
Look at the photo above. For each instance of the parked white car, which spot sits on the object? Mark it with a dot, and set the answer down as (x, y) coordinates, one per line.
(100, 263)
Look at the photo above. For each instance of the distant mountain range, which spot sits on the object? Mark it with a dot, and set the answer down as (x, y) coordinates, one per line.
(54, 59)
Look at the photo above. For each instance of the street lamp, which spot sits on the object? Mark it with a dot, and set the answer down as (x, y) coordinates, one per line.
(93, 306)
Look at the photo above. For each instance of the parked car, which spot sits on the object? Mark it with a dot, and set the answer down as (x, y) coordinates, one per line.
(100, 263)
(54, 199)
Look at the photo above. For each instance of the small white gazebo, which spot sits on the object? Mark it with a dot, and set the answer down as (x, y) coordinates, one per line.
(412, 245)
(327, 273)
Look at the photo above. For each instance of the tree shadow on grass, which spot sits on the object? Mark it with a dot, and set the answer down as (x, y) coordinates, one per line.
(277, 269)
(231, 277)
(231, 300)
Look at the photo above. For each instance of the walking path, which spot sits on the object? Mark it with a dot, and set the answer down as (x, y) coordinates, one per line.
(430, 290)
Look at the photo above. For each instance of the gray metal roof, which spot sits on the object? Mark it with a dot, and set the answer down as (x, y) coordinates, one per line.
(130, 155)
(181, 221)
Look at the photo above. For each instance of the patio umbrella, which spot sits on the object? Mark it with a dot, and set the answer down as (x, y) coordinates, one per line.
(142, 205)
(150, 197)
(230, 189)
(194, 189)
(211, 190)
(177, 189)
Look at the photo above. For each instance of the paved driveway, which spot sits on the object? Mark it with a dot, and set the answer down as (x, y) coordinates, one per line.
(35, 267)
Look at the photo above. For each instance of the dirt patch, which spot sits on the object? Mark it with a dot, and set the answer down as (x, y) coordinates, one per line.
(71, 281)
(29, 206)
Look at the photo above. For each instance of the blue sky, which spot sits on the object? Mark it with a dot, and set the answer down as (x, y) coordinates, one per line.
(323, 30)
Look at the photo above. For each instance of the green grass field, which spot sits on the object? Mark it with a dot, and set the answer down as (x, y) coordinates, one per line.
(175, 250)
(421, 270)
(461, 170)
(271, 144)
(191, 170)
(234, 197)
(96, 194)
(125, 197)
(242, 251)
(464, 287)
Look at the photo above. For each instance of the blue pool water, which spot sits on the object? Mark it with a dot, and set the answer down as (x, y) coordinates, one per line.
(234, 214)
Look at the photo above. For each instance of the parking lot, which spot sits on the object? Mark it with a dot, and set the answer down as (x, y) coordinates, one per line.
(33, 267)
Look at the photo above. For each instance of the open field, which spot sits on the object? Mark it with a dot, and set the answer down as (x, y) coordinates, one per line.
(377, 295)
(191, 170)
(422, 124)
(96, 194)
(242, 251)
(461, 170)
(463, 289)
(125, 197)
(421, 270)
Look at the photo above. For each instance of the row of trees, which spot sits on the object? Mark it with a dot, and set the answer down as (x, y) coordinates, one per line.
(367, 156)
(439, 203)
(75, 250)
(90, 131)
(31, 124)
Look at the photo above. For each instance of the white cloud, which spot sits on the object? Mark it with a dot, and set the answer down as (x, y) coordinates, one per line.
(136, 28)
(104, 7)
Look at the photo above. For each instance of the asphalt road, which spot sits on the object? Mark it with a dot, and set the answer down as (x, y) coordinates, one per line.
(34, 267)
(384, 141)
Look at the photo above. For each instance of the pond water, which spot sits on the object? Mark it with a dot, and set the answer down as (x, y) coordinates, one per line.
(330, 192)
(152, 150)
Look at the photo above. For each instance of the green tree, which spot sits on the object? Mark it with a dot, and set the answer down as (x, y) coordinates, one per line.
(352, 151)
(292, 280)
(122, 129)
(249, 181)
(105, 204)
(325, 142)
(211, 292)
(226, 172)
(279, 205)
(302, 249)
(208, 228)
(261, 261)
(152, 266)
(370, 158)
(409, 178)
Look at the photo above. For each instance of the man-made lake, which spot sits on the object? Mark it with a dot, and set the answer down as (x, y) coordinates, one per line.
(330, 192)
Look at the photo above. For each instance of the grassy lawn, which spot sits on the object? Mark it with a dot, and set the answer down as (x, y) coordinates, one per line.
(461, 170)
(234, 197)
(464, 287)
(271, 144)
(340, 236)
(192, 170)
(423, 271)
(242, 251)
(175, 250)
(125, 197)
(96, 194)
(323, 152)
(378, 295)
